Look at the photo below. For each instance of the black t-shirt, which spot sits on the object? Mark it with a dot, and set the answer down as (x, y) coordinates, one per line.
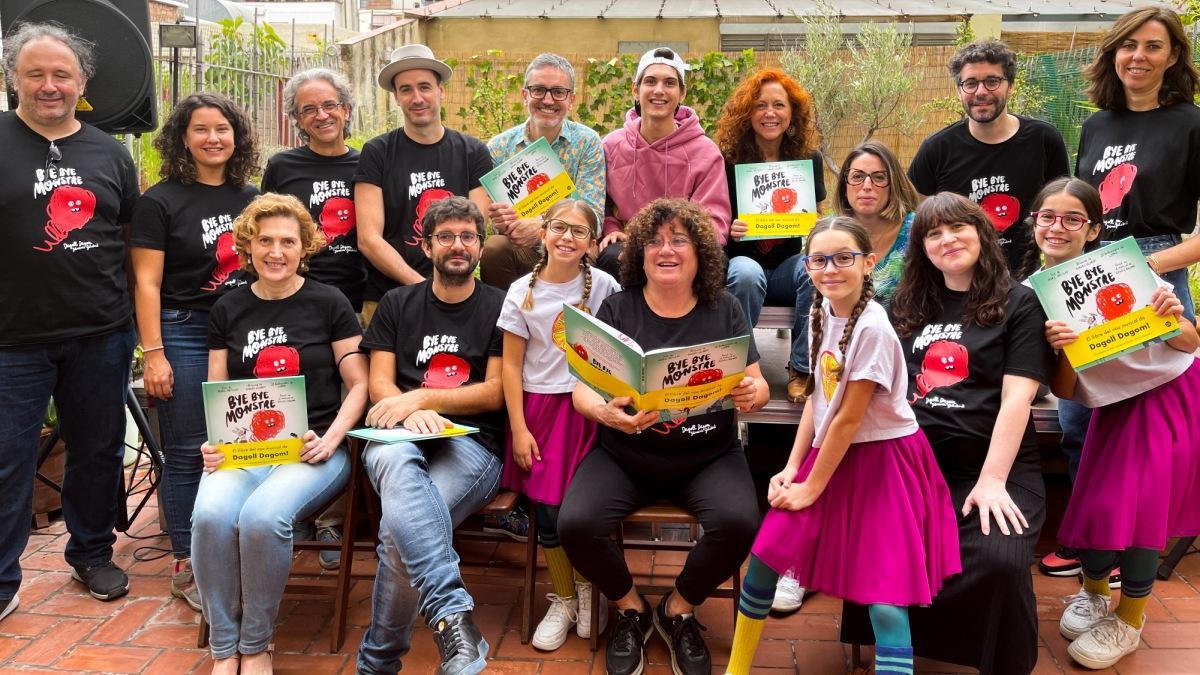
(701, 437)
(193, 226)
(282, 338)
(326, 186)
(1003, 178)
(441, 345)
(413, 176)
(956, 373)
(1147, 168)
(63, 257)
(770, 253)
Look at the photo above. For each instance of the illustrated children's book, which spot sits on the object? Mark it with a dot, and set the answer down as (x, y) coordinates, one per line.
(776, 199)
(256, 422)
(1105, 297)
(677, 381)
(532, 180)
(400, 434)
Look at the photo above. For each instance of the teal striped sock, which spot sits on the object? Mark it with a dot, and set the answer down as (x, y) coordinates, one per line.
(894, 660)
(893, 639)
(758, 590)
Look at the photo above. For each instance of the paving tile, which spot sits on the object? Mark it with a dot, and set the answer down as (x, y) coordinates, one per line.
(132, 618)
(176, 662)
(166, 635)
(46, 649)
(79, 603)
(25, 624)
(11, 645)
(37, 587)
(1171, 635)
(1183, 609)
(94, 658)
(1160, 662)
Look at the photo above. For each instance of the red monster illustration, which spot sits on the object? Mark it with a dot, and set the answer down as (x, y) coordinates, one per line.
(227, 261)
(337, 218)
(764, 246)
(446, 371)
(277, 361)
(70, 208)
(783, 200)
(705, 376)
(1114, 300)
(668, 425)
(266, 424)
(581, 351)
(536, 181)
(945, 363)
(427, 199)
(1116, 185)
(1002, 209)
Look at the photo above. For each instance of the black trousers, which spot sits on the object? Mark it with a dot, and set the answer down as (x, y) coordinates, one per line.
(719, 492)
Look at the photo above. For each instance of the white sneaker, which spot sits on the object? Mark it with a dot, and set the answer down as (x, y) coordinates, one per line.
(583, 592)
(10, 607)
(1106, 643)
(1083, 611)
(789, 595)
(552, 632)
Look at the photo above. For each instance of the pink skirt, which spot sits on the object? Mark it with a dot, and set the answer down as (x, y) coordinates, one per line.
(882, 532)
(564, 438)
(1139, 476)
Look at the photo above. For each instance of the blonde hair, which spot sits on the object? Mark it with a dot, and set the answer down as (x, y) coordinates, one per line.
(245, 227)
(578, 206)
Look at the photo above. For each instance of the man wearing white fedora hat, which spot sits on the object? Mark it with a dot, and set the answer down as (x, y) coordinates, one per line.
(401, 172)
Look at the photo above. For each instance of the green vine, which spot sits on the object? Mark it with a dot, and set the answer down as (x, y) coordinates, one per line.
(495, 94)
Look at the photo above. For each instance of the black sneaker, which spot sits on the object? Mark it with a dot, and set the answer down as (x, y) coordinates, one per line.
(105, 581)
(625, 652)
(463, 649)
(689, 654)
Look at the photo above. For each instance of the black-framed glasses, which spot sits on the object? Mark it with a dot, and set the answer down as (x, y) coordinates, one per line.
(819, 262)
(446, 239)
(539, 92)
(53, 157)
(562, 228)
(990, 83)
(879, 179)
(1070, 221)
(327, 107)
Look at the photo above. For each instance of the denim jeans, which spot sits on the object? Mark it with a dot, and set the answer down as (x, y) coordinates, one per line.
(1074, 419)
(788, 284)
(427, 489)
(181, 421)
(88, 378)
(242, 530)
(1177, 278)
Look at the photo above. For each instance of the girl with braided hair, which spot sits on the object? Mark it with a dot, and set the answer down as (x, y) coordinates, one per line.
(547, 439)
(861, 510)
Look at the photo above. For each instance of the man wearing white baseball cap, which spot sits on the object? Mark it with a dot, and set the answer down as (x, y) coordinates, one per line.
(401, 172)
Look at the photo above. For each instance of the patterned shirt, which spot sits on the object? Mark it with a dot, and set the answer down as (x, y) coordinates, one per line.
(890, 267)
(579, 149)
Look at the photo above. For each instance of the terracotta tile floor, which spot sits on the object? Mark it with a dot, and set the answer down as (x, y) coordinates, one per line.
(59, 628)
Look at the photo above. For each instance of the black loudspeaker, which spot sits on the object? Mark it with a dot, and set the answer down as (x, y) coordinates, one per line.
(122, 91)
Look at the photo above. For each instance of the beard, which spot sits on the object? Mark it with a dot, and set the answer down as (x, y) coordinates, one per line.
(453, 277)
(999, 107)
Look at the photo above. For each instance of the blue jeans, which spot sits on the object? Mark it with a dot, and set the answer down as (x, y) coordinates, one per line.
(427, 489)
(88, 378)
(1074, 419)
(242, 529)
(1177, 278)
(788, 284)
(181, 421)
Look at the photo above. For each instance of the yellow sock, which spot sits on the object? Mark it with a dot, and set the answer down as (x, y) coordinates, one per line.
(1096, 586)
(1132, 610)
(745, 642)
(562, 576)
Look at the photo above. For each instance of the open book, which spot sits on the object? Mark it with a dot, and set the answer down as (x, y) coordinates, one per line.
(400, 434)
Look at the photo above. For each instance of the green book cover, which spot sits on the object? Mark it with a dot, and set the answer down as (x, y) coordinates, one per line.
(532, 180)
(401, 435)
(776, 199)
(256, 422)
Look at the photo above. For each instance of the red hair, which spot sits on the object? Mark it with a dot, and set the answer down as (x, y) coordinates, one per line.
(735, 137)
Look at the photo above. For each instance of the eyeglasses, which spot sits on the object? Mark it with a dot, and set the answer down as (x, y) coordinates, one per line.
(1070, 221)
(677, 241)
(327, 107)
(557, 93)
(990, 83)
(879, 179)
(818, 262)
(562, 227)
(53, 157)
(447, 238)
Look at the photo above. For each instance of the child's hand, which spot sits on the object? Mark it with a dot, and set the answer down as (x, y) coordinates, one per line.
(795, 497)
(525, 449)
(738, 229)
(212, 457)
(780, 481)
(1166, 302)
(1058, 335)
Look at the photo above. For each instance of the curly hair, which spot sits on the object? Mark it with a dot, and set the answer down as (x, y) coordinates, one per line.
(994, 52)
(1087, 195)
(735, 136)
(177, 161)
(340, 84)
(25, 32)
(245, 227)
(918, 297)
(1180, 81)
(709, 282)
(902, 196)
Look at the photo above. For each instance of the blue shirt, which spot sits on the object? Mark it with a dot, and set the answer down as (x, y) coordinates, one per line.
(578, 148)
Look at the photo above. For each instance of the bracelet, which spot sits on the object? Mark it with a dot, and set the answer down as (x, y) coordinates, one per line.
(1153, 263)
(147, 350)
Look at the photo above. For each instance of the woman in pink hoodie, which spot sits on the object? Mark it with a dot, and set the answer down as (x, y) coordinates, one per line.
(660, 152)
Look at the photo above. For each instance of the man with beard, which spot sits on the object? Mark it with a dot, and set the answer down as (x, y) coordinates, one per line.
(993, 157)
(435, 351)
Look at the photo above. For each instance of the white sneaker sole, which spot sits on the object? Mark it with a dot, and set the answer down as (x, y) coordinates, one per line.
(1095, 664)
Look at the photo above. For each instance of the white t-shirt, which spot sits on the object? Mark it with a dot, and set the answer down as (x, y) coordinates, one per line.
(875, 354)
(545, 370)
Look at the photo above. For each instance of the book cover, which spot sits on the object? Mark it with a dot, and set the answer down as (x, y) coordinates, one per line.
(776, 199)
(400, 434)
(1105, 297)
(256, 422)
(532, 180)
(677, 381)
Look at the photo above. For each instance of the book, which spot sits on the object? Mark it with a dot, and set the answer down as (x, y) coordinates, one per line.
(400, 434)
(256, 422)
(532, 180)
(776, 199)
(677, 381)
(1104, 296)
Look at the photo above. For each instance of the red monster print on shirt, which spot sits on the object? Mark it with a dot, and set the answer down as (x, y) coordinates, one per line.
(1002, 209)
(1114, 301)
(945, 363)
(277, 361)
(70, 208)
(446, 371)
(227, 261)
(1116, 185)
(337, 218)
(427, 199)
